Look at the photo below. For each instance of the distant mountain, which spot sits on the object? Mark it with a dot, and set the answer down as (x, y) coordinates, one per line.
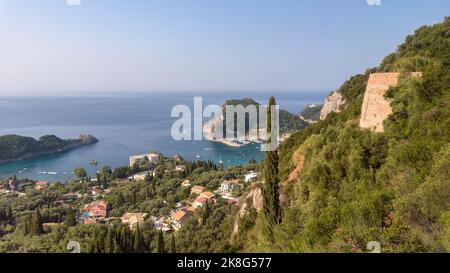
(311, 113)
(16, 148)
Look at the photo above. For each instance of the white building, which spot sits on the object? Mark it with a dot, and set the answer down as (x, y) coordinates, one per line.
(136, 159)
(228, 186)
(251, 177)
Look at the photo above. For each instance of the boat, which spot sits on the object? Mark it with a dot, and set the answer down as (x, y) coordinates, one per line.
(220, 161)
(93, 162)
(198, 156)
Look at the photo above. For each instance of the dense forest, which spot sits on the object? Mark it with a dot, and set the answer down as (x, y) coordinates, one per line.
(288, 122)
(14, 147)
(353, 186)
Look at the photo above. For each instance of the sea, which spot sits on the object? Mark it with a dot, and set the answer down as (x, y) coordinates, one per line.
(125, 124)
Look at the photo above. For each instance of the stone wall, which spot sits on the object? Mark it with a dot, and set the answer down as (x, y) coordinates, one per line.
(376, 108)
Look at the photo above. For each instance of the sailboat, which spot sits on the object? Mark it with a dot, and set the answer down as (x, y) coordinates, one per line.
(220, 161)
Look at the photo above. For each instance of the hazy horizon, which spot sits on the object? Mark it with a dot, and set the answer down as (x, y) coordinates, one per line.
(115, 47)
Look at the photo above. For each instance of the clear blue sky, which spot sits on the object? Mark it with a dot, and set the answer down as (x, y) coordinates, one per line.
(201, 45)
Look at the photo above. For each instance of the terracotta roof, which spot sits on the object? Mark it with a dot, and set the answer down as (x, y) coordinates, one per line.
(179, 216)
(207, 195)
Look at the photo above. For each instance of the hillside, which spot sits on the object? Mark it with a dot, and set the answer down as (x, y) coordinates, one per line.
(14, 147)
(311, 113)
(344, 186)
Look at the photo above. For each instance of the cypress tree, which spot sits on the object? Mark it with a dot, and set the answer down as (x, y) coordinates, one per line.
(205, 214)
(160, 248)
(137, 239)
(154, 185)
(271, 207)
(36, 224)
(109, 241)
(172, 244)
(70, 220)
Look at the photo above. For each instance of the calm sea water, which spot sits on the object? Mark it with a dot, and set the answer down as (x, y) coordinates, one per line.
(124, 124)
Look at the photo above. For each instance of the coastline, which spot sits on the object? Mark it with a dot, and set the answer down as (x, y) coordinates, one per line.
(82, 140)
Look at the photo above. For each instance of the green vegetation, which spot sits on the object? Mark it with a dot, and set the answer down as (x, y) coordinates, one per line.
(311, 112)
(46, 220)
(271, 213)
(288, 122)
(15, 147)
(356, 186)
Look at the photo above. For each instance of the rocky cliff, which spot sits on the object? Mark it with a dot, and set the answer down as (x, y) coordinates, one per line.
(333, 103)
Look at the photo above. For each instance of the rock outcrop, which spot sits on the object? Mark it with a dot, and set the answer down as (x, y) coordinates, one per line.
(255, 195)
(333, 103)
(376, 108)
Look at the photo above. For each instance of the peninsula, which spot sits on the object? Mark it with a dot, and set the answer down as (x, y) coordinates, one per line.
(18, 148)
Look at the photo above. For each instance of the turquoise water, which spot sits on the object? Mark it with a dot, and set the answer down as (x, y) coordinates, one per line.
(124, 125)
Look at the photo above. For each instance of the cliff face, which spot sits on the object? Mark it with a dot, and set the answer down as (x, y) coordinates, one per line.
(256, 201)
(333, 103)
(376, 108)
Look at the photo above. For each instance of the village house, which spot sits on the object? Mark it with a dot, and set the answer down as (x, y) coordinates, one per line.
(186, 183)
(207, 195)
(251, 177)
(133, 219)
(41, 185)
(95, 210)
(137, 159)
(179, 217)
(160, 224)
(199, 202)
(142, 175)
(198, 189)
(228, 186)
(180, 168)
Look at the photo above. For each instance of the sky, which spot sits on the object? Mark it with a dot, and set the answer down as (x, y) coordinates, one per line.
(48, 46)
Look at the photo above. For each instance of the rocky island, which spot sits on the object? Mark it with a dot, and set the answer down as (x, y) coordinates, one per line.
(17, 148)
(289, 123)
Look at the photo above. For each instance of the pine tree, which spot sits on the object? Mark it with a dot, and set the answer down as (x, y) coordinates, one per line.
(271, 205)
(172, 244)
(160, 238)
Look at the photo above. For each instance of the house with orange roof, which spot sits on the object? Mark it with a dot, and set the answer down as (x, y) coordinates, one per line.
(179, 217)
(95, 210)
(207, 195)
(199, 202)
(198, 189)
(41, 185)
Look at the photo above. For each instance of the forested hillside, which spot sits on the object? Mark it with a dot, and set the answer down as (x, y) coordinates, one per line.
(14, 147)
(351, 186)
